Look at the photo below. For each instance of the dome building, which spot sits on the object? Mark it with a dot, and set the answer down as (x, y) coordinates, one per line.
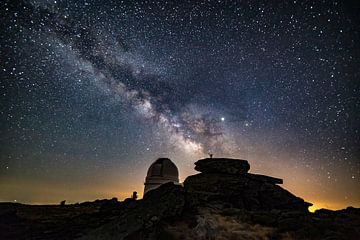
(163, 170)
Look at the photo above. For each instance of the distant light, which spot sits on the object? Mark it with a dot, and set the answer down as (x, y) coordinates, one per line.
(222, 119)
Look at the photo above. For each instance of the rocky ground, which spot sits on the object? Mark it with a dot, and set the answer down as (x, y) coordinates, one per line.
(224, 201)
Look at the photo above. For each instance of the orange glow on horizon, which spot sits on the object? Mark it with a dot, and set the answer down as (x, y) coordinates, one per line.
(112, 184)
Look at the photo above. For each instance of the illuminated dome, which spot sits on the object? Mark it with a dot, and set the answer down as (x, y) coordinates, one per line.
(161, 171)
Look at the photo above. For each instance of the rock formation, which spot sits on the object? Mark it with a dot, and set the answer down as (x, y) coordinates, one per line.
(140, 221)
(227, 183)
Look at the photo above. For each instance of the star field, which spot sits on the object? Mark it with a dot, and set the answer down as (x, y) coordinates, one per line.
(92, 92)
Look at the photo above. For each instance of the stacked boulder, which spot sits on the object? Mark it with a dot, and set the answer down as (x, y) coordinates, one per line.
(226, 183)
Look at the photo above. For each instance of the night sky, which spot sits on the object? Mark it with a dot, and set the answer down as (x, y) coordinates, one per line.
(92, 92)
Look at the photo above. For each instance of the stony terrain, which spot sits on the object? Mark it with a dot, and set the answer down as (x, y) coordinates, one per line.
(224, 201)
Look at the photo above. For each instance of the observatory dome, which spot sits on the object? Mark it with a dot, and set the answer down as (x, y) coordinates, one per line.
(163, 170)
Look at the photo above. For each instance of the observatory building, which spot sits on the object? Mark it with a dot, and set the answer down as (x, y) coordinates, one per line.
(163, 170)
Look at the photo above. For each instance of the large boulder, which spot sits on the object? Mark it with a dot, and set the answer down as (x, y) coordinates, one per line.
(225, 182)
(239, 191)
(222, 165)
(166, 200)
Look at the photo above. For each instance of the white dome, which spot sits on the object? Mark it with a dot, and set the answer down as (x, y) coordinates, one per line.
(163, 170)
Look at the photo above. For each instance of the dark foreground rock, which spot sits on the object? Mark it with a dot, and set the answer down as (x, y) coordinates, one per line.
(226, 183)
(242, 191)
(141, 221)
(223, 204)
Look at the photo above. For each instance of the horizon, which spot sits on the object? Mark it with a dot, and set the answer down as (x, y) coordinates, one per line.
(121, 196)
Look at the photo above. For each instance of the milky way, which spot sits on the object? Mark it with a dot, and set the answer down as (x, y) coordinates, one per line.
(93, 88)
(126, 75)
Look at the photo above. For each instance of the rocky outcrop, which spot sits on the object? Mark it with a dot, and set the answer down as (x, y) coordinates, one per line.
(223, 184)
(141, 220)
(226, 183)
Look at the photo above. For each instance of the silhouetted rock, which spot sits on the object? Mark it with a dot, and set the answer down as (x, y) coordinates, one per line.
(167, 200)
(222, 165)
(142, 220)
(226, 183)
(239, 191)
